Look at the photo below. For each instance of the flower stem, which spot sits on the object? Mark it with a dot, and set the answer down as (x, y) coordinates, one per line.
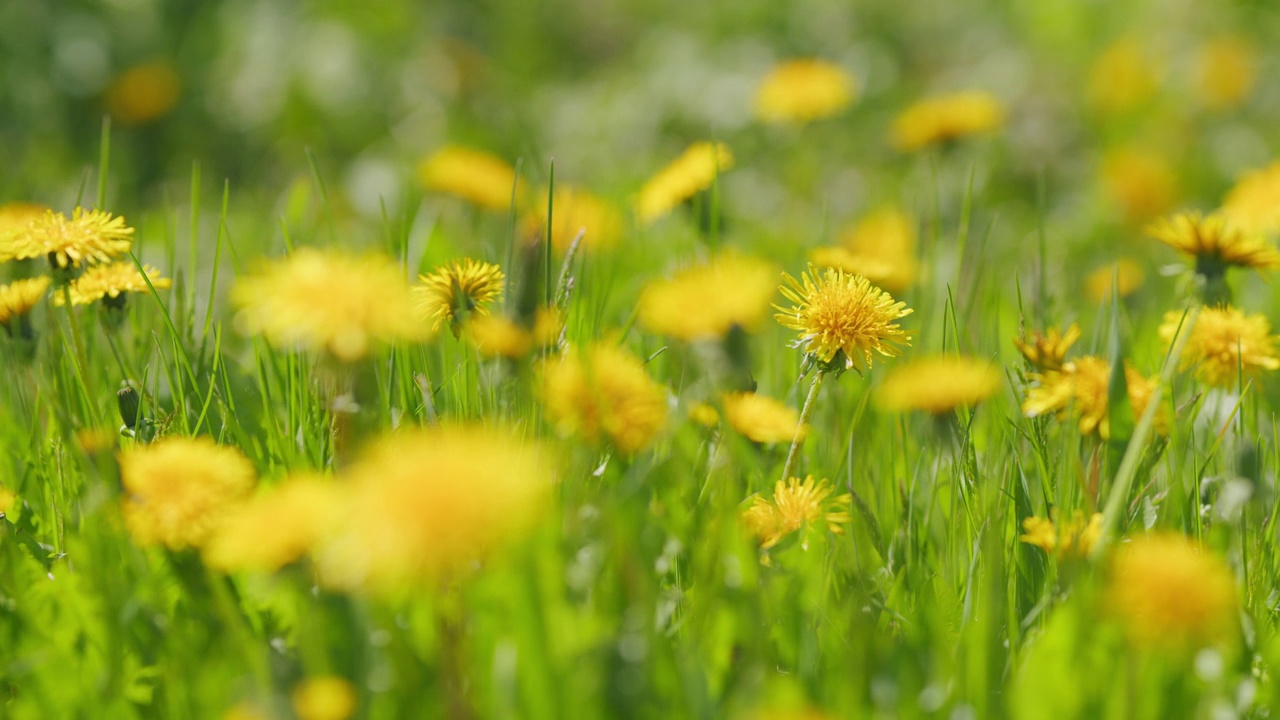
(809, 403)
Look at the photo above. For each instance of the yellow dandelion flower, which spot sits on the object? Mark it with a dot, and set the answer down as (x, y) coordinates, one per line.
(497, 336)
(945, 118)
(694, 171)
(333, 301)
(575, 210)
(109, 283)
(796, 504)
(761, 418)
(481, 179)
(1224, 344)
(1123, 277)
(1214, 242)
(1142, 184)
(178, 489)
(90, 236)
(842, 318)
(704, 414)
(275, 527)
(1082, 386)
(799, 91)
(328, 697)
(881, 248)
(1071, 538)
(14, 220)
(1170, 592)
(548, 326)
(423, 505)
(143, 93)
(1253, 204)
(708, 300)
(457, 291)
(1226, 71)
(604, 392)
(7, 499)
(1123, 77)
(939, 384)
(19, 298)
(1048, 350)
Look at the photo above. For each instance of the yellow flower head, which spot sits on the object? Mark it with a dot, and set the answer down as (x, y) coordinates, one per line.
(694, 171)
(19, 297)
(275, 527)
(178, 489)
(709, 300)
(422, 505)
(14, 220)
(1083, 387)
(328, 300)
(799, 91)
(704, 414)
(842, 317)
(1123, 276)
(1214, 242)
(1140, 183)
(497, 336)
(1170, 593)
(604, 392)
(479, 178)
(456, 291)
(1224, 345)
(1071, 538)
(328, 697)
(1226, 72)
(110, 282)
(1123, 77)
(795, 505)
(939, 384)
(143, 93)
(761, 418)
(1253, 205)
(575, 210)
(946, 117)
(1048, 350)
(90, 236)
(881, 248)
(7, 499)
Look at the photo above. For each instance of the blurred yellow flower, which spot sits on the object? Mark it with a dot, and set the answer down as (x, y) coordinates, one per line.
(246, 711)
(939, 384)
(1253, 204)
(481, 179)
(575, 210)
(1123, 276)
(110, 282)
(795, 505)
(1142, 184)
(143, 93)
(328, 697)
(1123, 77)
(1071, 538)
(15, 218)
(710, 299)
(7, 499)
(1225, 344)
(19, 297)
(881, 247)
(692, 172)
(604, 391)
(1214, 242)
(422, 505)
(328, 300)
(761, 418)
(1082, 386)
(842, 318)
(275, 527)
(1169, 592)
(497, 336)
(1226, 71)
(1048, 350)
(946, 117)
(177, 490)
(89, 236)
(457, 291)
(704, 414)
(799, 91)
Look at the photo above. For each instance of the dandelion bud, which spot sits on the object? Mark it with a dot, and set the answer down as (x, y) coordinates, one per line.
(130, 405)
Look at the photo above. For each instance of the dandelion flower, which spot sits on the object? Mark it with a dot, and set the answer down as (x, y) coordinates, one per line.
(1123, 277)
(18, 298)
(1082, 386)
(275, 527)
(1169, 592)
(143, 93)
(1048, 350)
(761, 418)
(575, 210)
(328, 697)
(177, 490)
(1140, 183)
(604, 392)
(328, 300)
(497, 336)
(422, 505)
(1123, 77)
(90, 236)
(799, 91)
(1253, 204)
(456, 291)
(1224, 344)
(945, 118)
(7, 499)
(109, 283)
(939, 384)
(479, 178)
(1226, 71)
(1214, 242)
(881, 248)
(796, 504)
(709, 300)
(842, 318)
(691, 173)
(1069, 538)
(704, 414)
(14, 220)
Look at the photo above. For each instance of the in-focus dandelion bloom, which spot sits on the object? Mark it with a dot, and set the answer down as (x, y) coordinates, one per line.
(945, 118)
(881, 247)
(692, 172)
(422, 505)
(327, 697)
(1226, 71)
(761, 418)
(109, 282)
(939, 384)
(330, 301)
(89, 236)
(1253, 204)
(1122, 277)
(1214, 242)
(1123, 77)
(708, 300)
(1063, 538)
(604, 392)
(143, 93)
(842, 318)
(1140, 183)
(14, 219)
(575, 210)
(177, 490)
(19, 297)
(1048, 350)
(275, 527)
(481, 179)
(456, 291)
(796, 504)
(800, 91)
(1170, 592)
(1082, 386)
(1225, 344)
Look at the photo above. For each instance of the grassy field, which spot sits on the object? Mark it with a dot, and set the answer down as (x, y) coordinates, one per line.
(774, 360)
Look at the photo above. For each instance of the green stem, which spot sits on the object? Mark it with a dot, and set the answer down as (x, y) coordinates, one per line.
(809, 403)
